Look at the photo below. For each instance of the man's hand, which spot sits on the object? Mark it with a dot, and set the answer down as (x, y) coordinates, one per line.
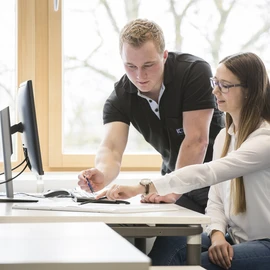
(155, 198)
(94, 177)
(220, 252)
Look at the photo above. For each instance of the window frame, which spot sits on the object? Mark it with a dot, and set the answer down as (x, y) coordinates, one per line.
(39, 58)
(56, 157)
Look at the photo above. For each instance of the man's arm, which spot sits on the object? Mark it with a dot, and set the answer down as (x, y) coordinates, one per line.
(109, 155)
(108, 158)
(196, 125)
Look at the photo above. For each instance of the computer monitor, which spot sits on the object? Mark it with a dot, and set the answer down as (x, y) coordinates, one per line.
(29, 135)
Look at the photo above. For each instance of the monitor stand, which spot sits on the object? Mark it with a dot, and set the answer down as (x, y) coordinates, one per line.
(16, 200)
(7, 152)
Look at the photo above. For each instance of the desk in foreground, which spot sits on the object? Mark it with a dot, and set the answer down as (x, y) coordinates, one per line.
(182, 222)
(176, 268)
(67, 246)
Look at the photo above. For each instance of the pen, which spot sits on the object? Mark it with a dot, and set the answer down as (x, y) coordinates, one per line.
(89, 185)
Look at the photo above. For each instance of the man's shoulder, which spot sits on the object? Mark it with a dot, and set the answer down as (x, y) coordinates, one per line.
(180, 66)
(124, 85)
(122, 93)
(184, 57)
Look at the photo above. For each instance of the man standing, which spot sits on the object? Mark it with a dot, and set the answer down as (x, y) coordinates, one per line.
(167, 97)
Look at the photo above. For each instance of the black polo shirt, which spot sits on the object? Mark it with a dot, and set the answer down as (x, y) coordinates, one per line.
(187, 88)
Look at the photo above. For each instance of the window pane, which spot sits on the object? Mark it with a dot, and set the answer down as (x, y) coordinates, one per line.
(92, 64)
(8, 61)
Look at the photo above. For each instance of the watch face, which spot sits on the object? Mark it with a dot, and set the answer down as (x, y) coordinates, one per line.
(145, 181)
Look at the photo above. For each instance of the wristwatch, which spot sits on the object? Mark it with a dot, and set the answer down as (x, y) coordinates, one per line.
(146, 183)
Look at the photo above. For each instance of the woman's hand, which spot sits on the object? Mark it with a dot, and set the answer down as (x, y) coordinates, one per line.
(155, 198)
(121, 192)
(220, 252)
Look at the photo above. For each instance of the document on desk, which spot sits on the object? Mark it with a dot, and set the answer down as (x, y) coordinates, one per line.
(96, 207)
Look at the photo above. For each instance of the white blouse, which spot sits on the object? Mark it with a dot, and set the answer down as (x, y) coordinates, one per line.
(252, 161)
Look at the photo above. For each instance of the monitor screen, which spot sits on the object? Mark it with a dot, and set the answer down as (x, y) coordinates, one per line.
(27, 116)
(27, 126)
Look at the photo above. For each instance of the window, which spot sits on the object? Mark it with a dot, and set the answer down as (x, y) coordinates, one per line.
(72, 57)
(8, 63)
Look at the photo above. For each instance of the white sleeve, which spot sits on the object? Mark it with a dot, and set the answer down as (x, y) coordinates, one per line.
(253, 155)
(215, 209)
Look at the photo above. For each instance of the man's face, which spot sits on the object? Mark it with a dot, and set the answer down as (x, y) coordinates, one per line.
(144, 66)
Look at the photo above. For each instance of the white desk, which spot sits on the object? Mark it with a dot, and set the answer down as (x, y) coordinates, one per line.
(139, 225)
(67, 246)
(176, 268)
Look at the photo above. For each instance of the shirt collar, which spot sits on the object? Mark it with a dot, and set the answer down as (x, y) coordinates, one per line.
(231, 130)
(162, 89)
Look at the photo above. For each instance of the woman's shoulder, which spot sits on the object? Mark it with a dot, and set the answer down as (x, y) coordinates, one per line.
(264, 125)
(263, 129)
(221, 135)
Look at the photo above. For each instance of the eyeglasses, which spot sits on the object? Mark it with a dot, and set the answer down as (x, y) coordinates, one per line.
(224, 88)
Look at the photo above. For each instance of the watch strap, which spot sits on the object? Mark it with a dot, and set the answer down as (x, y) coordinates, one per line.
(146, 186)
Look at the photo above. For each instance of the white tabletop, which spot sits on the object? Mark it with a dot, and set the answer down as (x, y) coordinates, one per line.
(190, 220)
(191, 267)
(75, 245)
(181, 216)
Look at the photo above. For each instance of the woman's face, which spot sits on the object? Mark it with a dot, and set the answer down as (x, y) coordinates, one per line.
(229, 99)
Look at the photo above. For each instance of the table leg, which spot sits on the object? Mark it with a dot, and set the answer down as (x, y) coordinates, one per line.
(140, 243)
(194, 249)
(141, 232)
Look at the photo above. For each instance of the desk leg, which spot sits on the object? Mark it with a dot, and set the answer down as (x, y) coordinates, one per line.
(140, 243)
(194, 249)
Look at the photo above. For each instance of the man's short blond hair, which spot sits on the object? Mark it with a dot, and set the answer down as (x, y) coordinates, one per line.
(139, 31)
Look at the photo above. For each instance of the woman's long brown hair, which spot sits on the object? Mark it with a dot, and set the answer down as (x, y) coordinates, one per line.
(250, 70)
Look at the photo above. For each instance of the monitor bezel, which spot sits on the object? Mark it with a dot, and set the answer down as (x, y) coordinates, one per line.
(28, 129)
(29, 135)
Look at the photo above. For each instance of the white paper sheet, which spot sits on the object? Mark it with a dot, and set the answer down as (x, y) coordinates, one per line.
(66, 205)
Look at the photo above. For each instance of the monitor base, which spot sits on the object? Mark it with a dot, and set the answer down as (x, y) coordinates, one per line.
(17, 200)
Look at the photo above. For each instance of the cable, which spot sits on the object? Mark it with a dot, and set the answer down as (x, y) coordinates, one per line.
(16, 166)
(30, 195)
(27, 161)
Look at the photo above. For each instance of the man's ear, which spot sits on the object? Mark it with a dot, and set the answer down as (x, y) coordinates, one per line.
(165, 56)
